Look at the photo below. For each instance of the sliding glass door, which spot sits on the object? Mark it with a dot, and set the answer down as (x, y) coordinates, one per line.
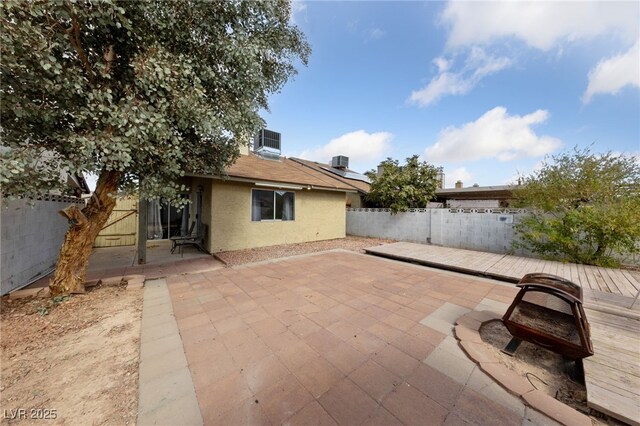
(165, 220)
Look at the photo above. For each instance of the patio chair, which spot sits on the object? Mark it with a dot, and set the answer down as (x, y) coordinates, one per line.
(193, 239)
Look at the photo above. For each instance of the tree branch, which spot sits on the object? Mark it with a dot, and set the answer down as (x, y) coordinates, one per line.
(74, 39)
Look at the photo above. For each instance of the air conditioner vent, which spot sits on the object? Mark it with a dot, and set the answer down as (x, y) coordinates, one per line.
(267, 142)
(340, 162)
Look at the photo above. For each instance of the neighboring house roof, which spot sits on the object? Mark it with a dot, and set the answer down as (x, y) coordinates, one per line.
(362, 187)
(254, 168)
(477, 192)
(79, 183)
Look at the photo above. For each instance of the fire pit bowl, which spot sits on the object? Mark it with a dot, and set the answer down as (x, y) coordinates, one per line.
(547, 311)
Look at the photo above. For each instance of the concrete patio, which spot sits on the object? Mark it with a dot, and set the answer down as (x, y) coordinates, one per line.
(330, 338)
(113, 263)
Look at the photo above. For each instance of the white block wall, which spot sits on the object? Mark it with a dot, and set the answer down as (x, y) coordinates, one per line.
(31, 240)
(492, 231)
(413, 226)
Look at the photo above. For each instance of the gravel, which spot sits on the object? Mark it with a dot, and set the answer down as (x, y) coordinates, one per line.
(239, 257)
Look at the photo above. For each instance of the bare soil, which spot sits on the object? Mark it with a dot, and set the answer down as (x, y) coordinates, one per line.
(239, 257)
(544, 369)
(71, 360)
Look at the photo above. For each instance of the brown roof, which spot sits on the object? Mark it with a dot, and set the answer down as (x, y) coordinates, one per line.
(282, 170)
(477, 192)
(318, 167)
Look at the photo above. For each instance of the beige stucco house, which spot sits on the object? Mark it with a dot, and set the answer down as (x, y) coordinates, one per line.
(265, 201)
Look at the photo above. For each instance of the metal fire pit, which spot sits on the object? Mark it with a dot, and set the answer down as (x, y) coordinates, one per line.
(547, 312)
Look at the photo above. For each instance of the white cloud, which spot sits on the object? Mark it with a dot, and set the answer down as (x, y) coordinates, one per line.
(363, 149)
(376, 33)
(495, 135)
(540, 24)
(477, 66)
(547, 25)
(298, 7)
(459, 174)
(442, 63)
(612, 74)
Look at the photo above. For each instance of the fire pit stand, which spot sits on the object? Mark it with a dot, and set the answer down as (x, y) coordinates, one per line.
(548, 312)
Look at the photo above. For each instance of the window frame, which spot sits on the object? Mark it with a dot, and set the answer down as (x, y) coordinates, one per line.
(274, 191)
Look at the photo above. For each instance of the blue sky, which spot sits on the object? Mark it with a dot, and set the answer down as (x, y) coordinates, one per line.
(485, 90)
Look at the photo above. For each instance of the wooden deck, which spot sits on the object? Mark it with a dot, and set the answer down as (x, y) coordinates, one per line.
(609, 281)
(612, 374)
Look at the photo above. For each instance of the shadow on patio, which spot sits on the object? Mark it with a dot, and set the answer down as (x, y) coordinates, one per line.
(117, 262)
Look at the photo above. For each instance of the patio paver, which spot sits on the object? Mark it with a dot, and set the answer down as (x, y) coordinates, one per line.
(336, 338)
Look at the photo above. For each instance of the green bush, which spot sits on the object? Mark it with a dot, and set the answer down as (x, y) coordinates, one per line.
(583, 207)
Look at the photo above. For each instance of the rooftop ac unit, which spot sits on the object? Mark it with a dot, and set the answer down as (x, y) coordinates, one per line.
(340, 162)
(267, 142)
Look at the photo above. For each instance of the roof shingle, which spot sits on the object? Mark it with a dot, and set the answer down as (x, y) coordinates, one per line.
(283, 170)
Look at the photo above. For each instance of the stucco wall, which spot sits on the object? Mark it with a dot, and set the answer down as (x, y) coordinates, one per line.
(31, 240)
(354, 200)
(319, 215)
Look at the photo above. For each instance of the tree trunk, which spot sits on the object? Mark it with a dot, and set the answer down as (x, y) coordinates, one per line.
(78, 241)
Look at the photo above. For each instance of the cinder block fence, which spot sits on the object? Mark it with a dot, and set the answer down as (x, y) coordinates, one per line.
(31, 239)
(475, 229)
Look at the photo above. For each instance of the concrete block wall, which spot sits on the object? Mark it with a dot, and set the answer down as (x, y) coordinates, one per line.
(483, 231)
(469, 229)
(413, 226)
(31, 240)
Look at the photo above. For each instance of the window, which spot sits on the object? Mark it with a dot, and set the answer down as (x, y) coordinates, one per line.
(272, 205)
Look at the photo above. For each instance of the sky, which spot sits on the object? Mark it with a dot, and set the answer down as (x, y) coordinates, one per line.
(485, 90)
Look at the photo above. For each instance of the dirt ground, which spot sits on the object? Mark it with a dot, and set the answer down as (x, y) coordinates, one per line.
(239, 257)
(544, 369)
(71, 361)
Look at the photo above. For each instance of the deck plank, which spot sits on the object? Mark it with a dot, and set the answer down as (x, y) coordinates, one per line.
(612, 374)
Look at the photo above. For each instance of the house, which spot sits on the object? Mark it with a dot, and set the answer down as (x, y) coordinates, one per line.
(265, 199)
(339, 170)
(498, 196)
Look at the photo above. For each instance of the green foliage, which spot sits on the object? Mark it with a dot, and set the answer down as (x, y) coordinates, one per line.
(150, 89)
(584, 206)
(400, 188)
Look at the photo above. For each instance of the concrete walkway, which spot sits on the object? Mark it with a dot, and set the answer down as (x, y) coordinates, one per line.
(117, 262)
(167, 396)
(330, 338)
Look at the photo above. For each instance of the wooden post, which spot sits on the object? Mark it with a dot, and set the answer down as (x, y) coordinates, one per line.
(142, 231)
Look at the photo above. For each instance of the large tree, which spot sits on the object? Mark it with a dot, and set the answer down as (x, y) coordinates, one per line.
(137, 92)
(584, 207)
(401, 187)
